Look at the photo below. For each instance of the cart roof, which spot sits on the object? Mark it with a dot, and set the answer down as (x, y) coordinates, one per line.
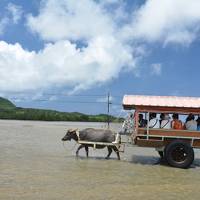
(166, 102)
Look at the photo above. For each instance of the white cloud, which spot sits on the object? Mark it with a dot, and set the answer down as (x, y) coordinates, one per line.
(167, 21)
(53, 98)
(13, 15)
(3, 23)
(156, 69)
(110, 1)
(15, 11)
(69, 19)
(61, 62)
(108, 49)
(16, 68)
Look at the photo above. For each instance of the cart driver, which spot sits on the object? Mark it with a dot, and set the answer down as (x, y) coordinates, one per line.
(127, 127)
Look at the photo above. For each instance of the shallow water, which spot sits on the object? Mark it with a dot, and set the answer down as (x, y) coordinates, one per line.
(35, 165)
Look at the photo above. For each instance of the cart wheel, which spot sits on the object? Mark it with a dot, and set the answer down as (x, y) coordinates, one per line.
(179, 154)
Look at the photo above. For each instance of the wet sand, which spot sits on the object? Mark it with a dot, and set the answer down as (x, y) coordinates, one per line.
(35, 165)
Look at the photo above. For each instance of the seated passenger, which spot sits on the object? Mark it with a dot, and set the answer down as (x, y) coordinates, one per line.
(190, 123)
(153, 121)
(166, 122)
(142, 121)
(176, 123)
(198, 123)
(161, 118)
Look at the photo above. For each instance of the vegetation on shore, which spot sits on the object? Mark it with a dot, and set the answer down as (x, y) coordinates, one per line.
(9, 111)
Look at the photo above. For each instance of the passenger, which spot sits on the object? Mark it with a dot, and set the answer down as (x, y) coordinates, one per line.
(161, 118)
(166, 122)
(176, 123)
(190, 123)
(142, 121)
(153, 121)
(198, 123)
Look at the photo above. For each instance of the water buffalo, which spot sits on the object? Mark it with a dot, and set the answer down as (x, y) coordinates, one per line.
(93, 135)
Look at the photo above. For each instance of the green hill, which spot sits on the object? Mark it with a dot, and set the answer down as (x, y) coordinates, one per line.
(9, 111)
(5, 104)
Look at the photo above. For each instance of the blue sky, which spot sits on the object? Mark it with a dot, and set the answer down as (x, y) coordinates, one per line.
(67, 55)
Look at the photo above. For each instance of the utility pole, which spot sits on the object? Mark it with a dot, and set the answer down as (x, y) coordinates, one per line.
(109, 103)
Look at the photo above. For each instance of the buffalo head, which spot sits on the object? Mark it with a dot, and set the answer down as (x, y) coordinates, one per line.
(71, 134)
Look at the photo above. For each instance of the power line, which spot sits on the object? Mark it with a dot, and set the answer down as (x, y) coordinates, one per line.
(56, 93)
(63, 94)
(59, 101)
(76, 95)
(65, 101)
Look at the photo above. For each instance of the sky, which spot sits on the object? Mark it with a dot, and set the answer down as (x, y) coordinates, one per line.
(68, 55)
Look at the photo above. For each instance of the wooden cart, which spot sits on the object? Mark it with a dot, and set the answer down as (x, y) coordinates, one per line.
(175, 146)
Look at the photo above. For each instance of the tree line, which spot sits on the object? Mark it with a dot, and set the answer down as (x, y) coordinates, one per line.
(9, 111)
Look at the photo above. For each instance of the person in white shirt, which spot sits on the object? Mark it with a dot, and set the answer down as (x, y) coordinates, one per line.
(127, 127)
(153, 121)
(165, 122)
(190, 123)
(128, 123)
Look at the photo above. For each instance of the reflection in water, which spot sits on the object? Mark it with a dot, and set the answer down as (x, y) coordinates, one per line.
(34, 165)
(144, 160)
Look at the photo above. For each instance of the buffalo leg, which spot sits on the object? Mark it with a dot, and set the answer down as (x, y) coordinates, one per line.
(117, 152)
(109, 152)
(86, 150)
(80, 147)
